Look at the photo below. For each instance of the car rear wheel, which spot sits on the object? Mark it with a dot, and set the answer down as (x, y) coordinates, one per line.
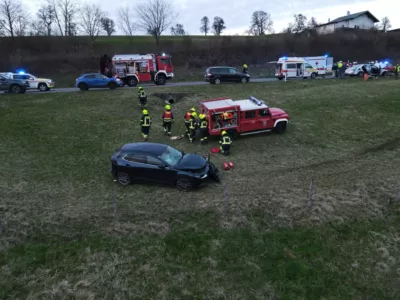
(184, 184)
(243, 80)
(123, 178)
(43, 87)
(280, 127)
(83, 87)
(217, 81)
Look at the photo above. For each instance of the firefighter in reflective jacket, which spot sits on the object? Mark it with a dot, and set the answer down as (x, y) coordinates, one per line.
(168, 119)
(192, 127)
(145, 123)
(142, 96)
(203, 129)
(245, 68)
(225, 142)
(187, 118)
(397, 71)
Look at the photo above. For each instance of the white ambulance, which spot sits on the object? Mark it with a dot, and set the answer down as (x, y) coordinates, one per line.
(322, 63)
(294, 67)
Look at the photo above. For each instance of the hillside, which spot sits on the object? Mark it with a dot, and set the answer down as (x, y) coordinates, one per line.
(71, 55)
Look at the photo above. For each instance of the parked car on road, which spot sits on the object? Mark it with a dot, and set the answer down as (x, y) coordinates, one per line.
(356, 70)
(13, 86)
(216, 75)
(41, 84)
(97, 80)
(161, 164)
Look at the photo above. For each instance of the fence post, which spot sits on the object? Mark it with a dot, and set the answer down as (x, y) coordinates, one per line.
(310, 195)
(115, 201)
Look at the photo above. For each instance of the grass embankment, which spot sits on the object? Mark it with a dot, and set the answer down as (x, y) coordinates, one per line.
(60, 239)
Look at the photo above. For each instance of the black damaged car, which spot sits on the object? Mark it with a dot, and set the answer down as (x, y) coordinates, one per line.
(161, 164)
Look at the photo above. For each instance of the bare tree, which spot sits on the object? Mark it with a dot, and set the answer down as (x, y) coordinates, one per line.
(218, 25)
(299, 23)
(385, 24)
(288, 29)
(178, 30)
(205, 25)
(155, 16)
(261, 23)
(91, 16)
(65, 13)
(312, 23)
(2, 28)
(108, 26)
(126, 22)
(13, 16)
(46, 18)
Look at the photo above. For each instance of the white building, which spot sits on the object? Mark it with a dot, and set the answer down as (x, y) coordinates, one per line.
(361, 20)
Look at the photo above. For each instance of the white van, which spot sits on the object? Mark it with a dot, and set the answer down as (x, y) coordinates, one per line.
(294, 67)
(322, 63)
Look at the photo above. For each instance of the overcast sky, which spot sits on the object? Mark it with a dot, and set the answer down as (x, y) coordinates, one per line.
(237, 13)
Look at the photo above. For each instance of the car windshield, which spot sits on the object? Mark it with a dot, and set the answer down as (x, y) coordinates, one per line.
(171, 156)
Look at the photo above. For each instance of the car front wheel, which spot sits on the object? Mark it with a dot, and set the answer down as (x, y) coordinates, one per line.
(243, 80)
(123, 178)
(43, 87)
(184, 184)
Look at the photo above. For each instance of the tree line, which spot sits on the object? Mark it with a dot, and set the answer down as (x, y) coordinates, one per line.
(155, 17)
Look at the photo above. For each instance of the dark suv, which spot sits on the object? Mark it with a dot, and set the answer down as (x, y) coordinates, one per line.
(14, 86)
(216, 75)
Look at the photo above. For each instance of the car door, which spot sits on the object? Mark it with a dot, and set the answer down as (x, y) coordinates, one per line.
(308, 70)
(248, 121)
(90, 80)
(136, 166)
(233, 75)
(264, 119)
(3, 83)
(159, 172)
(100, 80)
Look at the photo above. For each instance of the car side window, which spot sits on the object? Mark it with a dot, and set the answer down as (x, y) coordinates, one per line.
(216, 71)
(98, 76)
(89, 76)
(153, 161)
(250, 114)
(308, 66)
(264, 113)
(232, 71)
(291, 66)
(137, 158)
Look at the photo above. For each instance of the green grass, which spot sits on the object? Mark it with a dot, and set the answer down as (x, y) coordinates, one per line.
(60, 239)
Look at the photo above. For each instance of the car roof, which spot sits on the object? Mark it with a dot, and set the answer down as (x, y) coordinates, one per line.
(145, 147)
(215, 67)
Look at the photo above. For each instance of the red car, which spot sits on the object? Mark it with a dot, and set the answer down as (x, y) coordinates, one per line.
(243, 117)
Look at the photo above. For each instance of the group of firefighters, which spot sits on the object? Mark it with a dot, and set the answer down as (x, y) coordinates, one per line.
(191, 122)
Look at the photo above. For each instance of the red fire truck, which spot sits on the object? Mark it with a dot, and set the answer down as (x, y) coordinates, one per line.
(243, 117)
(135, 68)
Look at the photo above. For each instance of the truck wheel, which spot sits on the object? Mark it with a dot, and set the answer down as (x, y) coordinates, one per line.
(280, 127)
(16, 89)
(112, 85)
(313, 75)
(161, 80)
(232, 133)
(83, 86)
(132, 81)
(43, 87)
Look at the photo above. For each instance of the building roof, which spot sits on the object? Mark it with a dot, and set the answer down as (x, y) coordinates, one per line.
(351, 17)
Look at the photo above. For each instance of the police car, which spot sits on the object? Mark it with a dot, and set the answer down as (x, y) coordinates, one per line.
(41, 84)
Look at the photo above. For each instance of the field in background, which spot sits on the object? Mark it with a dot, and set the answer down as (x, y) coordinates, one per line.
(265, 238)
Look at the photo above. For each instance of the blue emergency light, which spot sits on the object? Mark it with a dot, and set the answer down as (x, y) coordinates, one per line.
(21, 72)
(256, 101)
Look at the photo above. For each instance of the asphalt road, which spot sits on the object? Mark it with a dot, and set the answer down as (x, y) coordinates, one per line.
(168, 84)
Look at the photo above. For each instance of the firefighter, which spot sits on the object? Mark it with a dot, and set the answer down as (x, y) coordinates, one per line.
(203, 129)
(192, 127)
(145, 123)
(340, 69)
(187, 118)
(225, 142)
(397, 71)
(142, 97)
(245, 68)
(168, 119)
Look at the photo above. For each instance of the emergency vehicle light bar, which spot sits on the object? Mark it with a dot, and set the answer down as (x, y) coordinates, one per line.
(256, 101)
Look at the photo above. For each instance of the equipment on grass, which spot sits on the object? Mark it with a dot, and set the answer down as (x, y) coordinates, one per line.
(177, 137)
(214, 150)
(231, 165)
(226, 166)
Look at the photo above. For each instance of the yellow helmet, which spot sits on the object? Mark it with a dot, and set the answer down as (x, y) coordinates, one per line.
(140, 88)
(193, 109)
(145, 112)
(167, 107)
(223, 132)
(194, 114)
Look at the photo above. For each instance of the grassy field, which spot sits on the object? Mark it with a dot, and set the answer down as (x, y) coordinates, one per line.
(60, 240)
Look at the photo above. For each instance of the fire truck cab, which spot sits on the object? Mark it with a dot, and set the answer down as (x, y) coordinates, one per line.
(135, 68)
(242, 117)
